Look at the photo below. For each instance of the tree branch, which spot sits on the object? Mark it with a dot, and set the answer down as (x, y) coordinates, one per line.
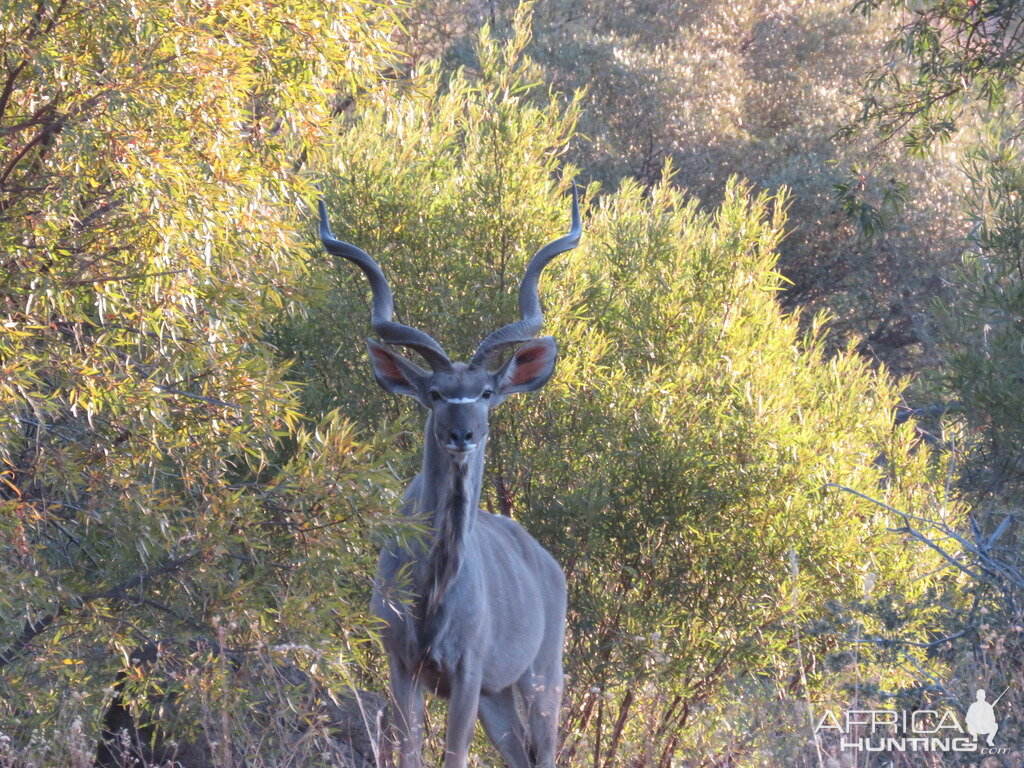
(33, 629)
(913, 532)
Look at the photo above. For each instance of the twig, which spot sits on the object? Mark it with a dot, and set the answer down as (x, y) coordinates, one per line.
(196, 396)
(121, 278)
(914, 533)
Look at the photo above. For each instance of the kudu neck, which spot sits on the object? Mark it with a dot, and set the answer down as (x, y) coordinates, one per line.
(450, 497)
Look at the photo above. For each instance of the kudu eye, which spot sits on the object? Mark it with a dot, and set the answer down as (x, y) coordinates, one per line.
(487, 394)
(435, 395)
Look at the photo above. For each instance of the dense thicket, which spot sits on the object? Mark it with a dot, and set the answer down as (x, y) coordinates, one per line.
(758, 89)
(952, 77)
(678, 463)
(196, 458)
(151, 160)
(962, 64)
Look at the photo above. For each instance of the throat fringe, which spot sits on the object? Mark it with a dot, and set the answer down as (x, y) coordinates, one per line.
(446, 552)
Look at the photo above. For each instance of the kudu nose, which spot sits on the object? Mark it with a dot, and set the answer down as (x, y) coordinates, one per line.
(461, 437)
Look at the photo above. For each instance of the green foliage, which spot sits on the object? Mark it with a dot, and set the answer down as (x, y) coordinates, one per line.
(682, 451)
(964, 54)
(462, 152)
(953, 70)
(706, 429)
(984, 327)
(150, 168)
(194, 454)
(979, 389)
(871, 218)
(756, 89)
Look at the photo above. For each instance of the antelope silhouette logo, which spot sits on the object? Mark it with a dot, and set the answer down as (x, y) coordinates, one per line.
(981, 718)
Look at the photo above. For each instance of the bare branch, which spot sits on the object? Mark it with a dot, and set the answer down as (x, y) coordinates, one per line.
(912, 532)
(195, 396)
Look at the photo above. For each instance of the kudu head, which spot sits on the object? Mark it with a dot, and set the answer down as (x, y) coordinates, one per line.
(460, 395)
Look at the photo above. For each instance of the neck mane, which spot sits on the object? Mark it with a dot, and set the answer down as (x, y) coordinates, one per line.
(450, 498)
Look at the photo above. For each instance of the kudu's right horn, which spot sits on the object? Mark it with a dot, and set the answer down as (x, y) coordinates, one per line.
(389, 331)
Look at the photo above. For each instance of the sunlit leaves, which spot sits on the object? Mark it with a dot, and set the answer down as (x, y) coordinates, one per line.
(152, 168)
(962, 55)
(681, 450)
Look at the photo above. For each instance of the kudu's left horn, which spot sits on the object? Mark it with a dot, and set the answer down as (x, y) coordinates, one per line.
(530, 312)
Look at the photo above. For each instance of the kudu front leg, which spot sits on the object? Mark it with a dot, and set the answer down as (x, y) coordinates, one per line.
(462, 711)
(407, 698)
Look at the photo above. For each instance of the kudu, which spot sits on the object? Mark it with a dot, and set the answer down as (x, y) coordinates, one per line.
(475, 612)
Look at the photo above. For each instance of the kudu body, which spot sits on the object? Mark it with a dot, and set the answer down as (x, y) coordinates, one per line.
(475, 613)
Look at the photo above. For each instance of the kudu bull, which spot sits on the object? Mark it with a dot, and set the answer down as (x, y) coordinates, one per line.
(476, 612)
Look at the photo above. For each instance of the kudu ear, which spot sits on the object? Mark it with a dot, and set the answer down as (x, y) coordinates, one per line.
(529, 368)
(396, 373)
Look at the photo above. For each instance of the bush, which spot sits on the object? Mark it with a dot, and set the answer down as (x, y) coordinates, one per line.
(151, 160)
(743, 87)
(677, 464)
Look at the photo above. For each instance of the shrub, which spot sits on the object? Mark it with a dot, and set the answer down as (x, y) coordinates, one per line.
(677, 464)
(151, 159)
(759, 90)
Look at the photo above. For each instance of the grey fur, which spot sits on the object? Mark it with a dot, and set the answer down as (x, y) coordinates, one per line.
(476, 613)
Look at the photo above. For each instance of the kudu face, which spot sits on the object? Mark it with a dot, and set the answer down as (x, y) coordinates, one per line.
(460, 399)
